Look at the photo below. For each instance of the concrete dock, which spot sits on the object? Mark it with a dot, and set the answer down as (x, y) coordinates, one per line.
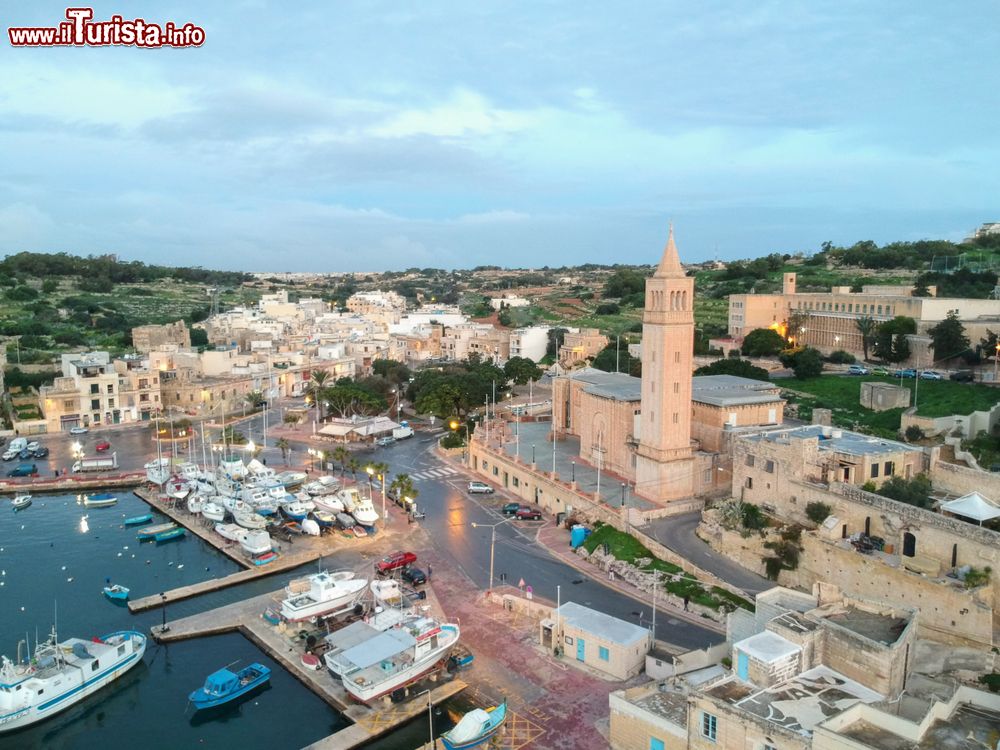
(283, 646)
(74, 483)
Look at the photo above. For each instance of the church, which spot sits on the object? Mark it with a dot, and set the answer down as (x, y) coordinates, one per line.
(668, 432)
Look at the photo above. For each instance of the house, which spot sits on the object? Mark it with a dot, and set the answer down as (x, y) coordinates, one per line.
(614, 647)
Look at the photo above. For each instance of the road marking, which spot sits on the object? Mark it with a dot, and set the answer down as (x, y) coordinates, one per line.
(438, 473)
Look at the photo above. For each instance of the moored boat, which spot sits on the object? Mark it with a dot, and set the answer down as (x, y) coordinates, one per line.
(195, 503)
(20, 502)
(100, 500)
(330, 503)
(139, 520)
(213, 511)
(265, 558)
(114, 591)
(475, 728)
(310, 527)
(325, 519)
(223, 685)
(150, 532)
(295, 510)
(358, 506)
(168, 536)
(359, 531)
(248, 519)
(230, 531)
(255, 542)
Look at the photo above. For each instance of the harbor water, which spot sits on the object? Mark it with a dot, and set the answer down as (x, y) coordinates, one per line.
(54, 559)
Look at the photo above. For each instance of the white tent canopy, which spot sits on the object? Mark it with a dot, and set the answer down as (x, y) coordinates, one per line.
(973, 506)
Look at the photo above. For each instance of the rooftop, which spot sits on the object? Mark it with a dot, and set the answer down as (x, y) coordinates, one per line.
(602, 625)
(836, 440)
(872, 625)
(666, 702)
(767, 647)
(968, 728)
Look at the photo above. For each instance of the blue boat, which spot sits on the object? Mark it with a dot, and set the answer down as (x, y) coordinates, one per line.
(100, 500)
(166, 536)
(139, 520)
(475, 728)
(223, 686)
(116, 592)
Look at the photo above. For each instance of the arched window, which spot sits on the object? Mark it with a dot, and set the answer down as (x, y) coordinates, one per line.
(909, 544)
(868, 526)
(684, 300)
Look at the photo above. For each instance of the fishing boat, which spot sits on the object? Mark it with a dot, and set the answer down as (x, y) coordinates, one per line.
(167, 536)
(150, 532)
(21, 502)
(63, 673)
(139, 520)
(475, 728)
(255, 542)
(324, 518)
(100, 500)
(395, 658)
(223, 685)
(359, 506)
(324, 485)
(230, 531)
(328, 592)
(114, 591)
(213, 511)
(330, 503)
(248, 519)
(295, 510)
(291, 479)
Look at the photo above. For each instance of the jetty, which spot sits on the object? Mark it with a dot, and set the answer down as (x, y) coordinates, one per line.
(74, 483)
(286, 647)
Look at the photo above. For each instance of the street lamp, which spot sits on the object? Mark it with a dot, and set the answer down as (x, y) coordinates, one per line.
(573, 475)
(493, 540)
(430, 715)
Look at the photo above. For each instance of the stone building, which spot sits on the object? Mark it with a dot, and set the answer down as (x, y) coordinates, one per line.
(147, 338)
(580, 346)
(607, 644)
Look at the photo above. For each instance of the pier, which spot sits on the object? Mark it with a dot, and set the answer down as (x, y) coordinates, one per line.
(72, 483)
(286, 648)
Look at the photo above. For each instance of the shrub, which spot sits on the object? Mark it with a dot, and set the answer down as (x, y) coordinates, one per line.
(914, 433)
(762, 342)
(840, 357)
(916, 491)
(869, 486)
(452, 440)
(817, 512)
(607, 308)
(753, 519)
(977, 577)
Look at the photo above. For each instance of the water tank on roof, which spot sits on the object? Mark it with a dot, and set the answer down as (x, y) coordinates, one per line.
(837, 433)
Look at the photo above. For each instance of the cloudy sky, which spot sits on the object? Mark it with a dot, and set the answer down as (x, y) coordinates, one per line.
(374, 135)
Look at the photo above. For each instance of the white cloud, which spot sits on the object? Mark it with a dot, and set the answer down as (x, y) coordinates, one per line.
(464, 113)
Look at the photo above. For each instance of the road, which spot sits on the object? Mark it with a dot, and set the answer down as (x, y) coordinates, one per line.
(450, 514)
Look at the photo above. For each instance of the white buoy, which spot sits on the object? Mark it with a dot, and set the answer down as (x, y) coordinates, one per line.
(64, 567)
(69, 580)
(180, 566)
(22, 609)
(125, 547)
(119, 554)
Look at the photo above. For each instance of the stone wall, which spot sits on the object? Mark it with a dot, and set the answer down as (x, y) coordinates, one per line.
(970, 425)
(633, 727)
(961, 480)
(879, 396)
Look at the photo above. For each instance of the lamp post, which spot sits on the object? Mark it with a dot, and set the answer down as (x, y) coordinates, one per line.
(430, 715)
(532, 454)
(493, 540)
(624, 509)
(163, 608)
(573, 474)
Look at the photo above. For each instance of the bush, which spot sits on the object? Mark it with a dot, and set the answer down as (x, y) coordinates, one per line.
(607, 308)
(762, 342)
(916, 491)
(977, 577)
(805, 362)
(817, 512)
(22, 294)
(736, 366)
(914, 433)
(452, 440)
(753, 519)
(840, 357)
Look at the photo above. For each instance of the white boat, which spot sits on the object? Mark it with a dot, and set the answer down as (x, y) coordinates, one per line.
(21, 501)
(213, 511)
(195, 503)
(330, 503)
(359, 506)
(189, 472)
(100, 500)
(291, 479)
(63, 673)
(232, 467)
(324, 485)
(230, 531)
(257, 469)
(158, 470)
(328, 592)
(248, 519)
(395, 658)
(254, 542)
(310, 527)
(177, 488)
(295, 510)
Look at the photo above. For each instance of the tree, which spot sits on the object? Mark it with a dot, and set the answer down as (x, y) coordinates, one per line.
(255, 399)
(393, 371)
(817, 512)
(199, 337)
(521, 370)
(762, 342)
(282, 445)
(341, 455)
(353, 465)
(611, 359)
(49, 286)
(866, 326)
(556, 336)
(607, 308)
(233, 436)
(739, 367)
(402, 487)
(624, 282)
(347, 399)
(916, 491)
(890, 342)
(291, 418)
(804, 361)
(948, 339)
(317, 381)
(988, 344)
(441, 399)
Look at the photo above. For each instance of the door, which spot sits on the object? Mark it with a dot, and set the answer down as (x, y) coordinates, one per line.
(909, 544)
(580, 649)
(742, 665)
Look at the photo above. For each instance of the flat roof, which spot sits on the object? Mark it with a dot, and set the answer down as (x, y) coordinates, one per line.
(968, 728)
(602, 625)
(872, 625)
(767, 647)
(851, 443)
(672, 705)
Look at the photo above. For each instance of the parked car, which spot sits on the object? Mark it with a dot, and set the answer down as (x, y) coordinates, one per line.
(511, 508)
(384, 441)
(9, 455)
(480, 488)
(857, 370)
(24, 454)
(34, 445)
(395, 560)
(908, 373)
(415, 576)
(23, 470)
(528, 514)
(41, 452)
(77, 430)
(102, 446)
(884, 372)
(931, 375)
(963, 376)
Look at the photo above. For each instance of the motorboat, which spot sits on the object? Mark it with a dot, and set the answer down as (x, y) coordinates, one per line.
(169, 536)
(158, 471)
(213, 511)
(100, 500)
(396, 657)
(346, 521)
(295, 510)
(328, 592)
(256, 468)
(20, 502)
(304, 499)
(331, 503)
(231, 466)
(255, 542)
(150, 532)
(195, 503)
(265, 558)
(310, 527)
(230, 531)
(359, 531)
(291, 479)
(359, 506)
(223, 686)
(190, 472)
(475, 728)
(138, 520)
(324, 518)
(248, 519)
(116, 592)
(61, 674)
(324, 485)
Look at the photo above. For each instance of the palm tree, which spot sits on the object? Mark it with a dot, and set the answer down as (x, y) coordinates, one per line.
(402, 487)
(866, 327)
(317, 382)
(282, 445)
(379, 469)
(255, 399)
(352, 466)
(341, 454)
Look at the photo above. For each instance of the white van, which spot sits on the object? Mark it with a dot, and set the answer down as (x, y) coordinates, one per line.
(18, 444)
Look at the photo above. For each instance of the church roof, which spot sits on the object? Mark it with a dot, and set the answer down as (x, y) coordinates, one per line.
(670, 264)
(732, 390)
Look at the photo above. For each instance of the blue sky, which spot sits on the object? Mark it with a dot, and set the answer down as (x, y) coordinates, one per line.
(365, 135)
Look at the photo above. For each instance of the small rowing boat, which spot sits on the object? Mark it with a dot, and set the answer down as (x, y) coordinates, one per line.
(101, 500)
(139, 520)
(167, 536)
(150, 532)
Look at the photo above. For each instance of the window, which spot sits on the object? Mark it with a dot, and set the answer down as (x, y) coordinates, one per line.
(94, 666)
(121, 650)
(95, 403)
(874, 470)
(749, 483)
(677, 387)
(769, 466)
(111, 403)
(111, 388)
(677, 357)
(516, 482)
(95, 388)
(750, 460)
(888, 469)
(496, 472)
(69, 404)
(675, 418)
(602, 654)
(569, 640)
(143, 383)
(708, 726)
(768, 747)
(656, 744)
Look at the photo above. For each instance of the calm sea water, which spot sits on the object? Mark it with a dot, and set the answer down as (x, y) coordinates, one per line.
(56, 555)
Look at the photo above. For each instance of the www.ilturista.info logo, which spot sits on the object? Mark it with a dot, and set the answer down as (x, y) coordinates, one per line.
(81, 30)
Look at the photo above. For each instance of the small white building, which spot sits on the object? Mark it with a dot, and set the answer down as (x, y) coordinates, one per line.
(599, 641)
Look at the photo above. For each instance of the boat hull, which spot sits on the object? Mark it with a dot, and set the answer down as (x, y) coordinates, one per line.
(202, 700)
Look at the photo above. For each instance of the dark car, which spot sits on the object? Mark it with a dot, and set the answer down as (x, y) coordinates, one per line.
(962, 376)
(41, 452)
(23, 470)
(528, 514)
(415, 576)
(907, 373)
(511, 508)
(24, 455)
(395, 560)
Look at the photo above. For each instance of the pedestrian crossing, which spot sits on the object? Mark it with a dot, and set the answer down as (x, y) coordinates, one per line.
(439, 473)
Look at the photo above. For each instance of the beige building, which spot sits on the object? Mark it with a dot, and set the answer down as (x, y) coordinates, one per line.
(579, 346)
(491, 344)
(604, 643)
(147, 338)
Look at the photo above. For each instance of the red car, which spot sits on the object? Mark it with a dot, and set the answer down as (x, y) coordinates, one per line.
(102, 446)
(528, 514)
(395, 560)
